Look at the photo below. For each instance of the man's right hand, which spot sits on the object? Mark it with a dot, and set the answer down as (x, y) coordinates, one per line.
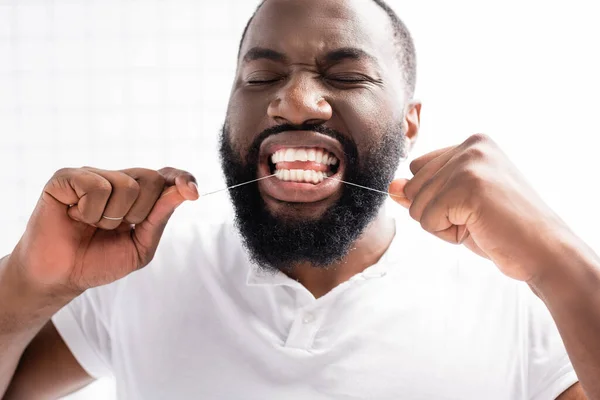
(92, 227)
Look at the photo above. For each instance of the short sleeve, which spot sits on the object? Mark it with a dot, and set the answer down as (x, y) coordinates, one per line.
(84, 325)
(550, 372)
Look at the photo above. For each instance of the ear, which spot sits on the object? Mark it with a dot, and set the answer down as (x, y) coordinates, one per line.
(412, 122)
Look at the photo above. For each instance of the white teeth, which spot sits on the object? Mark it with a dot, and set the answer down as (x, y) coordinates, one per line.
(316, 177)
(319, 156)
(304, 154)
(307, 176)
(299, 175)
(290, 155)
(301, 155)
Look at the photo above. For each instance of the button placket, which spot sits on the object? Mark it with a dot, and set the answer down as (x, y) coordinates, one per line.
(308, 318)
(304, 328)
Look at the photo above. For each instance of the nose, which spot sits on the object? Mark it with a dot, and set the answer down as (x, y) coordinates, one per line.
(300, 102)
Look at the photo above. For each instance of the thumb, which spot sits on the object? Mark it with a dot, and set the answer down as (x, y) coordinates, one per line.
(396, 192)
(147, 234)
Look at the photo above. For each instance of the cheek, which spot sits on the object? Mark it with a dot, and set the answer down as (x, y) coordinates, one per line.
(367, 115)
(246, 118)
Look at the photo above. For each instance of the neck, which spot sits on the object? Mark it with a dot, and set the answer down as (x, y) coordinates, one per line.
(366, 251)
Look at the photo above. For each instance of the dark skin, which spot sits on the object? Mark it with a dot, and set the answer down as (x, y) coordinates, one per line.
(349, 82)
(310, 89)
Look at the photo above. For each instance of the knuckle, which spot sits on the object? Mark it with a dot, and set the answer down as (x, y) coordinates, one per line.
(102, 185)
(476, 153)
(130, 186)
(478, 138)
(99, 185)
(155, 180)
(63, 172)
(166, 171)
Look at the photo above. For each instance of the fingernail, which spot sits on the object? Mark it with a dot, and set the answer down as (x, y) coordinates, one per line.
(193, 187)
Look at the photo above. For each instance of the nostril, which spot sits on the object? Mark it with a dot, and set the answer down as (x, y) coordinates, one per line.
(314, 122)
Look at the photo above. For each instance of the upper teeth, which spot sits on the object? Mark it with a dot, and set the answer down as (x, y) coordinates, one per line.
(304, 154)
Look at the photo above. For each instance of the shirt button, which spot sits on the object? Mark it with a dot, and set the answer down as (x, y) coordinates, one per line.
(308, 318)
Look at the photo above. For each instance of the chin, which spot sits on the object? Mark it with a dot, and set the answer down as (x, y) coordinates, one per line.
(298, 212)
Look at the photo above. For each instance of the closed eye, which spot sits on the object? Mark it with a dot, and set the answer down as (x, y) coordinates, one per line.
(263, 77)
(258, 82)
(349, 79)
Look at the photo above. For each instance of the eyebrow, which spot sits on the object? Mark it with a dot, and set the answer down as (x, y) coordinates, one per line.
(334, 56)
(261, 53)
(348, 53)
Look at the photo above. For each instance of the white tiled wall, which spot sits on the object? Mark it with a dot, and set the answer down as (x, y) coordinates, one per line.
(121, 83)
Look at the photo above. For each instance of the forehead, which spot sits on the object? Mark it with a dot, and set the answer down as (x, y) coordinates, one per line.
(303, 29)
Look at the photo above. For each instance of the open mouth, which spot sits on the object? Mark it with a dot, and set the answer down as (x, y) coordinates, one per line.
(308, 165)
(301, 162)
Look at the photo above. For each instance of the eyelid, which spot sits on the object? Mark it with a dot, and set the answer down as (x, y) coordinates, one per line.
(263, 76)
(349, 77)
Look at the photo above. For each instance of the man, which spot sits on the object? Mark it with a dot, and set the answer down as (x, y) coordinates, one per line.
(322, 296)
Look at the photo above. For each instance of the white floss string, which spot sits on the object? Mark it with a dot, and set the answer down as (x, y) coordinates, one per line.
(238, 185)
(327, 177)
(365, 187)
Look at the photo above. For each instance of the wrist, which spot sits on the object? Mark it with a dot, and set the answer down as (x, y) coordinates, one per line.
(22, 295)
(572, 273)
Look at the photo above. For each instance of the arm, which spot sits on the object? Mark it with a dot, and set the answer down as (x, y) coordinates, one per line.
(575, 392)
(79, 236)
(571, 290)
(31, 348)
(472, 194)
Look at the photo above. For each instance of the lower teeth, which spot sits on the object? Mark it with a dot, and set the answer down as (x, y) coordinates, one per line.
(299, 175)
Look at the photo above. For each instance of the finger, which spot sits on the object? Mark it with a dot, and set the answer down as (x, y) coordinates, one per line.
(125, 191)
(152, 184)
(396, 191)
(427, 172)
(180, 186)
(420, 162)
(148, 233)
(451, 207)
(427, 194)
(82, 193)
(186, 183)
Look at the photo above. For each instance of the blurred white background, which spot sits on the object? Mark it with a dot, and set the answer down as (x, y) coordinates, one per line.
(123, 83)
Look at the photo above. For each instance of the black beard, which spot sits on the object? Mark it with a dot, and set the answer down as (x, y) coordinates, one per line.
(278, 243)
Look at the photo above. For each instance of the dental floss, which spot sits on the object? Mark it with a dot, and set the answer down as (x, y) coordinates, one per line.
(326, 177)
(365, 187)
(234, 186)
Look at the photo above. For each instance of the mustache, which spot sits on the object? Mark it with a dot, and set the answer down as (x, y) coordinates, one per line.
(350, 149)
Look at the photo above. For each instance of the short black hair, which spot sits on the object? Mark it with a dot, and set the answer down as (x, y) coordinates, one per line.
(403, 41)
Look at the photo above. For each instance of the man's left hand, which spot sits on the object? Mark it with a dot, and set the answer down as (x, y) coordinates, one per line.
(473, 194)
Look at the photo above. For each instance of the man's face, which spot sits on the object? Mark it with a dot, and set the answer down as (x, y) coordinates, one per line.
(318, 94)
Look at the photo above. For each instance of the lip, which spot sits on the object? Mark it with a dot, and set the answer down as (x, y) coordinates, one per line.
(296, 192)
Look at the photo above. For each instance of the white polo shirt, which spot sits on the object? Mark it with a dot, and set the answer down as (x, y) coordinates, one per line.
(428, 321)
